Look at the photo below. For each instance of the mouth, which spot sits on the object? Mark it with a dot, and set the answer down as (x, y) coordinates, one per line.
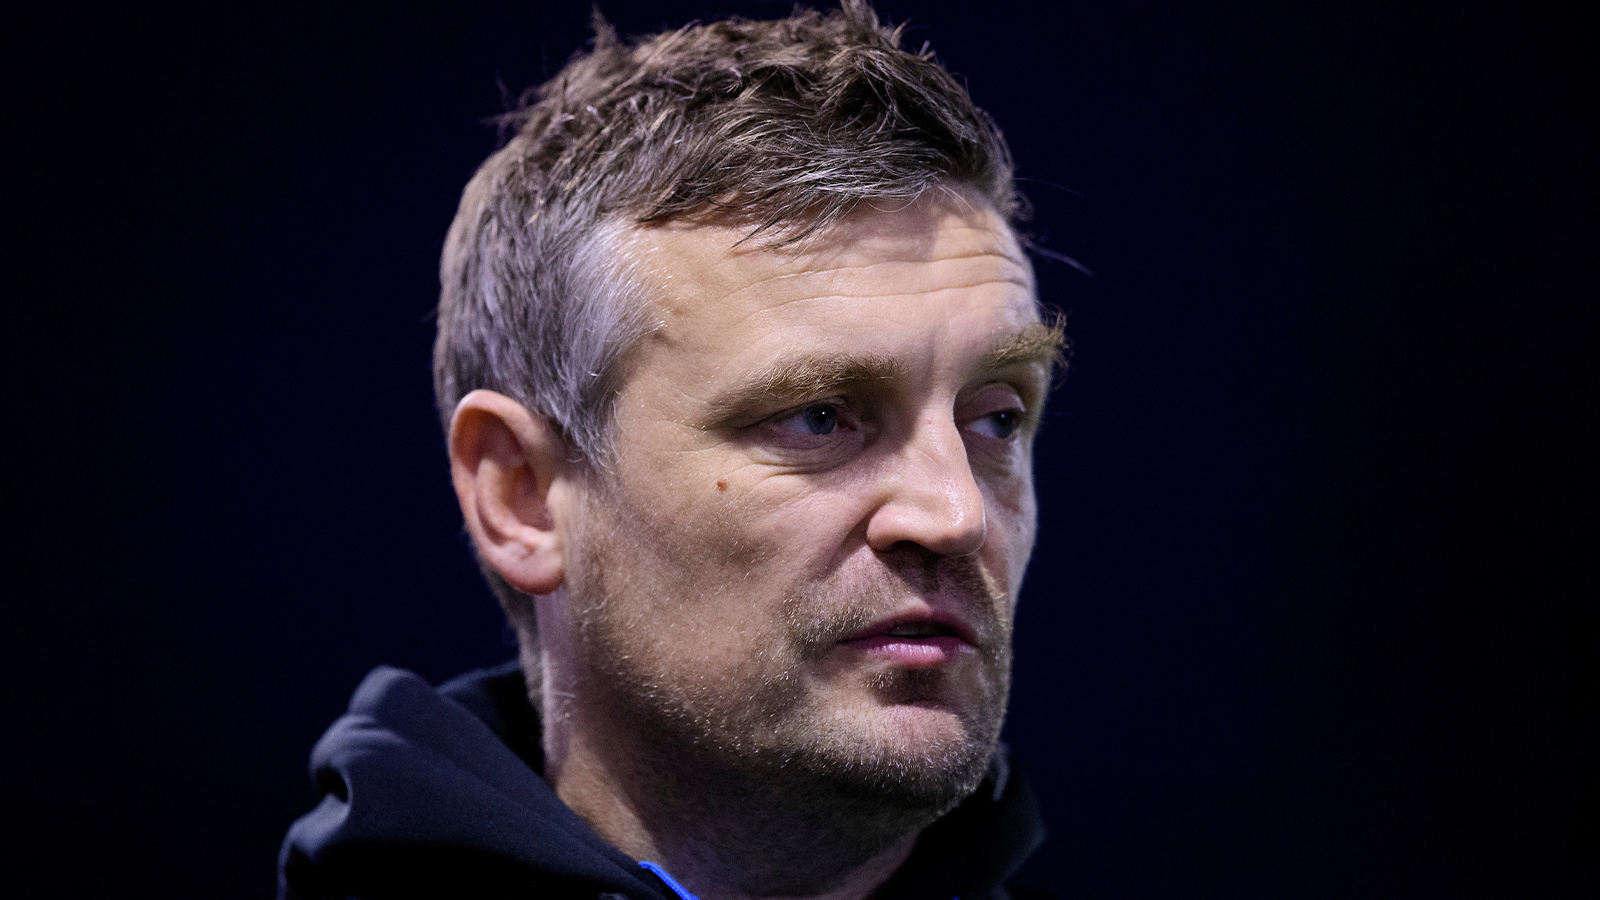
(916, 639)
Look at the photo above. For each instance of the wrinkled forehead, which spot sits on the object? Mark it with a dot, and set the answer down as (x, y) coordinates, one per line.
(947, 239)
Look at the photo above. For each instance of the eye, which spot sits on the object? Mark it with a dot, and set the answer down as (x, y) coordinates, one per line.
(1000, 424)
(818, 419)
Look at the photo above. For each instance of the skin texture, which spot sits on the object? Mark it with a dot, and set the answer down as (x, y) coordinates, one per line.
(815, 443)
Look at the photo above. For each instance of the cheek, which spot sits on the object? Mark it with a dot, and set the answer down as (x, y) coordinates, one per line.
(654, 601)
(783, 527)
(706, 557)
(683, 508)
(1013, 522)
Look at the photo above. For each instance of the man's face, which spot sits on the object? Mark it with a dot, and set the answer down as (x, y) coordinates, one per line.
(806, 556)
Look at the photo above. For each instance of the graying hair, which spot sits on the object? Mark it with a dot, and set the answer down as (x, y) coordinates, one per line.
(784, 126)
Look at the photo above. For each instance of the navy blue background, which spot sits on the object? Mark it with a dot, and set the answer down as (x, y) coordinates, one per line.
(1302, 620)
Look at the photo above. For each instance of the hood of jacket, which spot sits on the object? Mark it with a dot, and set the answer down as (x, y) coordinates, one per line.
(437, 792)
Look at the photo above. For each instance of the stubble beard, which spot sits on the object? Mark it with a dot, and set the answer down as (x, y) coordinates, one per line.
(755, 766)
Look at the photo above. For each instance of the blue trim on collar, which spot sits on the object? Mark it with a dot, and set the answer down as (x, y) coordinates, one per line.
(680, 890)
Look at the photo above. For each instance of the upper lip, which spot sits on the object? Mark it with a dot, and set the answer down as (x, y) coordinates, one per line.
(924, 614)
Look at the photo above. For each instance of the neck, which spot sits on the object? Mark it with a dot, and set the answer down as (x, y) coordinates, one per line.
(723, 834)
(732, 842)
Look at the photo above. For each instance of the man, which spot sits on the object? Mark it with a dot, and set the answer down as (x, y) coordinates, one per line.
(740, 364)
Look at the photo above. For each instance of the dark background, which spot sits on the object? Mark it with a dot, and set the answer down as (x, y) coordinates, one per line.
(1303, 620)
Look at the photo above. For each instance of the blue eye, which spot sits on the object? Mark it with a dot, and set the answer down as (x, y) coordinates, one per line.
(819, 420)
(816, 420)
(1002, 424)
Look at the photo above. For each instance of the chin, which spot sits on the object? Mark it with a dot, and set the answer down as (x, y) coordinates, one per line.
(914, 756)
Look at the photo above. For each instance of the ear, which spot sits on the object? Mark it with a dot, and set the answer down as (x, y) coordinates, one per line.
(512, 476)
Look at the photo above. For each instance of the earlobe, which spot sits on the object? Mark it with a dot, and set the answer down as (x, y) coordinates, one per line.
(510, 471)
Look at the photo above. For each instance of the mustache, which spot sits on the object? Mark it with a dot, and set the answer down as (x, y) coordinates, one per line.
(854, 601)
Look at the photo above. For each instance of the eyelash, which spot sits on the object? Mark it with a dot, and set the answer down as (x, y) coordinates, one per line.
(824, 418)
(837, 413)
(1010, 426)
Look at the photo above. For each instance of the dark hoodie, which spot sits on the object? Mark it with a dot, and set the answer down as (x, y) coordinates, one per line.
(437, 793)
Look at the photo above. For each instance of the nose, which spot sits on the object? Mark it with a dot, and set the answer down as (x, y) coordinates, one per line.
(929, 496)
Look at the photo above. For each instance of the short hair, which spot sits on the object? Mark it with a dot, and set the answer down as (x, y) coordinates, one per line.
(783, 125)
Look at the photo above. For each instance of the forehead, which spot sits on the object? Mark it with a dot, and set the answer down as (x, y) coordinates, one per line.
(943, 262)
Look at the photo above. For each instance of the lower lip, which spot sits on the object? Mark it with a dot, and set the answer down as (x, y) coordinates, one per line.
(912, 652)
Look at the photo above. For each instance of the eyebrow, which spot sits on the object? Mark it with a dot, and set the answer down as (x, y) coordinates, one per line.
(805, 377)
(1036, 343)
